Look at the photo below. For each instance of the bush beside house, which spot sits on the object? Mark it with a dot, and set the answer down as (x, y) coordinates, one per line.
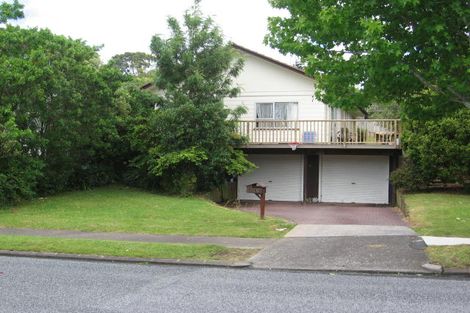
(69, 122)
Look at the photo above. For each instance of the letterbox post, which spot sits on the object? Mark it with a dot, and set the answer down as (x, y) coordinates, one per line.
(261, 205)
(260, 191)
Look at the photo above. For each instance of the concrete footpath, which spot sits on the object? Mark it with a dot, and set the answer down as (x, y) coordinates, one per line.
(364, 248)
(350, 248)
(230, 242)
(391, 254)
(445, 241)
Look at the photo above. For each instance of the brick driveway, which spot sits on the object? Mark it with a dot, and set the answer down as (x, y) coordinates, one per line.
(336, 214)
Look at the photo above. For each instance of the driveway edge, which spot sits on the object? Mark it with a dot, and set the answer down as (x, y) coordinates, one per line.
(120, 259)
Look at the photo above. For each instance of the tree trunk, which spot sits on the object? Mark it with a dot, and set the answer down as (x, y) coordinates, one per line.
(365, 113)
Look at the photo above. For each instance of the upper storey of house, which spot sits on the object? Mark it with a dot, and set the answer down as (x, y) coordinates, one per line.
(282, 110)
(273, 90)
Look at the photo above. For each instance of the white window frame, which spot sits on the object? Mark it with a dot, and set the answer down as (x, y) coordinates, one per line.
(272, 122)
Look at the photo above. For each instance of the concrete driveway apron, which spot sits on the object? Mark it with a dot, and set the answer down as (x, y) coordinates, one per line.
(343, 238)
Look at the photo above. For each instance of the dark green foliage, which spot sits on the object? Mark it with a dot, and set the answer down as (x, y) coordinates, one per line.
(414, 52)
(10, 11)
(133, 63)
(64, 99)
(68, 122)
(436, 151)
(189, 141)
(136, 109)
(384, 111)
(408, 177)
(19, 171)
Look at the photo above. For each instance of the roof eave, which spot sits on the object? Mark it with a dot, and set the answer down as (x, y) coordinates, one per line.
(269, 59)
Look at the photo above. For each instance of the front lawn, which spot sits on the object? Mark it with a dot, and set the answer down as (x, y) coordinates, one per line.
(450, 256)
(123, 248)
(442, 214)
(439, 214)
(122, 209)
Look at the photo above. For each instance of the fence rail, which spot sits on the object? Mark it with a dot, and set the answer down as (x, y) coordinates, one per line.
(346, 132)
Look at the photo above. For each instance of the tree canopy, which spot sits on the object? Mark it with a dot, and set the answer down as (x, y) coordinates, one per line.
(59, 94)
(189, 142)
(10, 11)
(133, 63)
(380, 56)
(412, 52)
(69, 122)
(19, 171)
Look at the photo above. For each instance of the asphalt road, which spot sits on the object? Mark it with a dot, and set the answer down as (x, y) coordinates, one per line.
(39, 285)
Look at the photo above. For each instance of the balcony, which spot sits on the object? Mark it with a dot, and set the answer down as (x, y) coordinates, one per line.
(352, 133)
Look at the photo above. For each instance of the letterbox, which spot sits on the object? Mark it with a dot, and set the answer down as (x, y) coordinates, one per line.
(256, 188)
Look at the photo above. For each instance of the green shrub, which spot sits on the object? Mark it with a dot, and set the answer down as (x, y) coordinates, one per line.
(436, 150)
(189, 142)
(58, 91)
(19, 170)
(408, 177)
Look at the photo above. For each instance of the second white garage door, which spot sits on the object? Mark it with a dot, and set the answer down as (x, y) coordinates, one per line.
(282, 174)
(355, 179)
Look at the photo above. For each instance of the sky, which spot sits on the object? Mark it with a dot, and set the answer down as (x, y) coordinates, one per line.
(128, 25)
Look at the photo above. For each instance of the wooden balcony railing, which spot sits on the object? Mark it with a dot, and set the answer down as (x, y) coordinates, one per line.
(344, 132)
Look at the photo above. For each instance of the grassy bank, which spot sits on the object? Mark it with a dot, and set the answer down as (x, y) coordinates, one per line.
(450, 256)
(123, 248)
(439, 214)
(442, 214)
(121, 209)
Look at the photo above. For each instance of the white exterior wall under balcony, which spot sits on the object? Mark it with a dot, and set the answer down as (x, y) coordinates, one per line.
(264, 81)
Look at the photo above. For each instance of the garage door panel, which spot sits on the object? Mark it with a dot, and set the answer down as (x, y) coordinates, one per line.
(282, 175)
(355, 179)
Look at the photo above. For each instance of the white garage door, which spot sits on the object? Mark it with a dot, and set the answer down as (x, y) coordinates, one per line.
(354, 178)
(281, 173)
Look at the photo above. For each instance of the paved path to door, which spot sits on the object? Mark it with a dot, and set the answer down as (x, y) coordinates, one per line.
(330, 214)
(342, 237)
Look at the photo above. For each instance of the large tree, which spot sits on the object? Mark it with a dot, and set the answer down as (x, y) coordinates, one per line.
(190, 141)
(58, 91)
(413, 52)
(19, 170)
(133, 63)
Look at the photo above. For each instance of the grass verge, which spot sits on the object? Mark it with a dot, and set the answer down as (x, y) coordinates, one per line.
(450, 256)
(439, 214)
(124, 248)
(122, 209)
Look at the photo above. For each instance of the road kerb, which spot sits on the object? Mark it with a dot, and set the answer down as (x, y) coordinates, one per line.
(241, 265)
(120, 259)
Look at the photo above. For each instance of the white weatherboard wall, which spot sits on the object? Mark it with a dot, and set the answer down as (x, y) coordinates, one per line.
(354, 178)
(264, 81)
(282, 174)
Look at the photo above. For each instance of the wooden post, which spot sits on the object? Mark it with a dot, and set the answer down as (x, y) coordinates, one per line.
(260, 191)
(262, 203)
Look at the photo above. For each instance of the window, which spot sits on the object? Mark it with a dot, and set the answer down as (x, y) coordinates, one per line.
(264, 111)
(276, 114)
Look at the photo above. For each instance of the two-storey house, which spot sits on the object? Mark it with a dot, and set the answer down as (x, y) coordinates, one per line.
(305, 150)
